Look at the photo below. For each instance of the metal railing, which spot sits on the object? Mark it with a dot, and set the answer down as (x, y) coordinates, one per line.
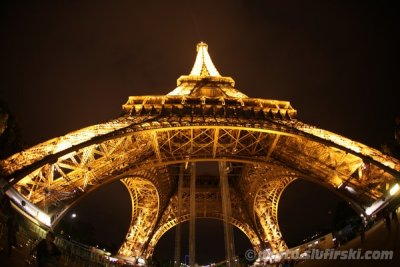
(74, 254)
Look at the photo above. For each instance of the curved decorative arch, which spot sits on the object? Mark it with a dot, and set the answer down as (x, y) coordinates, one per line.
(74, 173)
(145, 209)
(156, 146)
(265, 211)
(249, 232)
(204, 119)
(23, 163)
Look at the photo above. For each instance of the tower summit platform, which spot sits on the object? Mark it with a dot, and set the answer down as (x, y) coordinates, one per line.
(205, 88)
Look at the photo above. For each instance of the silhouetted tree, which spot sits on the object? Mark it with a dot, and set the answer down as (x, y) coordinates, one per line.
(397, 130)
(10, 135)
(392, 147)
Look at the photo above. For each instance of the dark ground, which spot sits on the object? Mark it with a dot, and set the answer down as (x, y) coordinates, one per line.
(377, 238)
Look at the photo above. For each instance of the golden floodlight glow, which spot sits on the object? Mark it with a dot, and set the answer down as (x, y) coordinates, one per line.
(374, 207)
(337, 181)
(44, 218)
(394, 189)
(62, 145)
(204, 119)
(203, 65)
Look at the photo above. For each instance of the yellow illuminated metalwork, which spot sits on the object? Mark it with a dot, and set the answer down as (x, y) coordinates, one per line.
(394, 189)
(203, 65)
(204, 119)
(145, 207)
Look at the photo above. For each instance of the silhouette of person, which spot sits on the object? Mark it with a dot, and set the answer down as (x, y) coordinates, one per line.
(11, 222)
(387, 221)
(47, 253)
(3, 216)
(12, 227)
(362, 233)
(394, 216)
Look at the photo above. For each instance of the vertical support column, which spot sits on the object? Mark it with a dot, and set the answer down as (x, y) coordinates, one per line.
(192, 223)
(178, 229)
(227, 213)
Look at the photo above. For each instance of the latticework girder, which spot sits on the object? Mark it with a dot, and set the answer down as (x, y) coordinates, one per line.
(59, 184)
(208, 205)
(145, 208)
(266, 212)
(224, 169)
(204, 119)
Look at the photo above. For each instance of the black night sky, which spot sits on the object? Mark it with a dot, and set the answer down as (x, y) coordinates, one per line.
(65, 65)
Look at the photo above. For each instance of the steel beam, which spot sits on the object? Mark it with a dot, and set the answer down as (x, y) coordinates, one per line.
(272, 147)
(215, 143)
(192, 221)
(227, 213)
(178, 229)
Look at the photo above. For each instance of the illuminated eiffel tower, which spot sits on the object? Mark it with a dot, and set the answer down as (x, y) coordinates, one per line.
(153, 148)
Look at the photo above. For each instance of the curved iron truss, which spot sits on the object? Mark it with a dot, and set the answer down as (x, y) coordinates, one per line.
(204, 119)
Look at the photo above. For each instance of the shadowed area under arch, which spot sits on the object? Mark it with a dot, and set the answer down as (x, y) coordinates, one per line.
(107, 210)
(110, 219)
(296, 207)
(209, 242)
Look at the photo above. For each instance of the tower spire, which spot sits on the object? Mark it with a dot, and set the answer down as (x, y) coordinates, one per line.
(203, 66)
(204, 80)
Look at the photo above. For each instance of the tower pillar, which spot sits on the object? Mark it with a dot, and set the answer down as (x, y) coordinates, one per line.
(227, 213)
(192, 220)
(178, 233)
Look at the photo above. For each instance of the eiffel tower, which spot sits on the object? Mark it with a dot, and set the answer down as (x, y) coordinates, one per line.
(154, 147)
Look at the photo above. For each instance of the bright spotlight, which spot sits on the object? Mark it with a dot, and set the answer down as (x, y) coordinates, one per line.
(394, 189)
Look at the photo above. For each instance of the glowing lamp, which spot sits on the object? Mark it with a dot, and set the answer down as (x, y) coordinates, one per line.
(44, 218)
(394, 189)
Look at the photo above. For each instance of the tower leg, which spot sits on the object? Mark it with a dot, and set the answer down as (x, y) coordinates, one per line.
(192, 223)
(227, 213)
(179, 213)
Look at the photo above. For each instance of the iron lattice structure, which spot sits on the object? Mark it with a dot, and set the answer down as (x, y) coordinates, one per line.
(204, 119)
